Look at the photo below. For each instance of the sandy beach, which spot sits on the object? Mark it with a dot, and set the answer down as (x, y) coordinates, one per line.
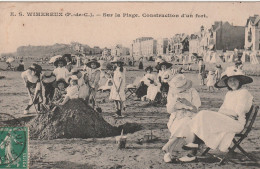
(103, 152)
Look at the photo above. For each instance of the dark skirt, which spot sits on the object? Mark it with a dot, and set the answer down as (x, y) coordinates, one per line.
(49, 91)
(141, 90)
(164, 87)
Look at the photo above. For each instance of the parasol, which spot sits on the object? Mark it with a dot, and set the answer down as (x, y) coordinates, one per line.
(10, 60)
(54, 58)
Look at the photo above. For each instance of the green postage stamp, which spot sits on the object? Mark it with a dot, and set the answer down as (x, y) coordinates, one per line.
(13, 147)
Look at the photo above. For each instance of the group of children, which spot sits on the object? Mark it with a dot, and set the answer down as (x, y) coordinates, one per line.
(56, 88)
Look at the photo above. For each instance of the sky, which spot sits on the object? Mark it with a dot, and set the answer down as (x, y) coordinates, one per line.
(106, 31)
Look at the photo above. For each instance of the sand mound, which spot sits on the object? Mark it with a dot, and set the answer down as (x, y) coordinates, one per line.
(73, 120)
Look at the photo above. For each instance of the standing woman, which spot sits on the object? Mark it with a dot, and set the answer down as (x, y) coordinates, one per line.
(118, 89)
(93, 77)
(31, 78)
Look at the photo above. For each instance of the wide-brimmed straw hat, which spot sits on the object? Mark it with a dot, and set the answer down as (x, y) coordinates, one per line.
(179, 84)
(167, 64)
(149, 68)
(61, 80)
(93, 61)
(48, 77)
(61, 59)
(236, 73)
(116, 60)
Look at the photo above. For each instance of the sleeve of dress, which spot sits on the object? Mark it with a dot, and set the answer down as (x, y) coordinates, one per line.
(195, 98)
(244, 104)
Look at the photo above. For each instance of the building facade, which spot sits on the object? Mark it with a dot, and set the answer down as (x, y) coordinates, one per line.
(162, 44)
(224, 36)
(178, 44)
(252, 33)
(144, 47)
(119, 50)
(106, 52)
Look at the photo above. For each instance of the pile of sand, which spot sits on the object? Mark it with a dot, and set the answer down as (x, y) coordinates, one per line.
(73, 120)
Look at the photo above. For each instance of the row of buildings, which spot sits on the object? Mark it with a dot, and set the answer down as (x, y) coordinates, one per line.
(221, 36)
(117, 50)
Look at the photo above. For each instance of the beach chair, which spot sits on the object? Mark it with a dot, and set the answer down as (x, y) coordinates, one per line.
(131, 88)
(250, 119)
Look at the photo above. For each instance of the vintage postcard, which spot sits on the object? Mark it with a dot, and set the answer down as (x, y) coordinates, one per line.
(129, 85)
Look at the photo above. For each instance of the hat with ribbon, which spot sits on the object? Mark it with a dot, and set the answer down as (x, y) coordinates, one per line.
(233, 72)
(167, 64)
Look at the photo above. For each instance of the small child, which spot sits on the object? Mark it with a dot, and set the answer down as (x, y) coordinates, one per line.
(211, 80)
(60, 91)
(72, 90)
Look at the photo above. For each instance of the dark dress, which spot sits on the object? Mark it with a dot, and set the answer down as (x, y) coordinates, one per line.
(141, 66)
(141, 90)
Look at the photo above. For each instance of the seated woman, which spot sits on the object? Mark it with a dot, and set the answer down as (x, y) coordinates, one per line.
(217, 129)
(148, 79)
(183, 102)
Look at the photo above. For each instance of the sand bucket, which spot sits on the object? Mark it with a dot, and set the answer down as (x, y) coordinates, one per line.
(121, 141)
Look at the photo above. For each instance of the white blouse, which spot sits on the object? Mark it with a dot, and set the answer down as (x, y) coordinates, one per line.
(61, 72)
(146, 78)
(237, 103)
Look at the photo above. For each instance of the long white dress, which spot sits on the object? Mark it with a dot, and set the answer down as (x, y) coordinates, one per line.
(118, 76)
(217, 129)
(180, 119)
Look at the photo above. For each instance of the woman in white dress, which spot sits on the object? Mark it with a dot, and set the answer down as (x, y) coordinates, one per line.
(183, 102)
(217, 129)
(151, 83)
(118, 89)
